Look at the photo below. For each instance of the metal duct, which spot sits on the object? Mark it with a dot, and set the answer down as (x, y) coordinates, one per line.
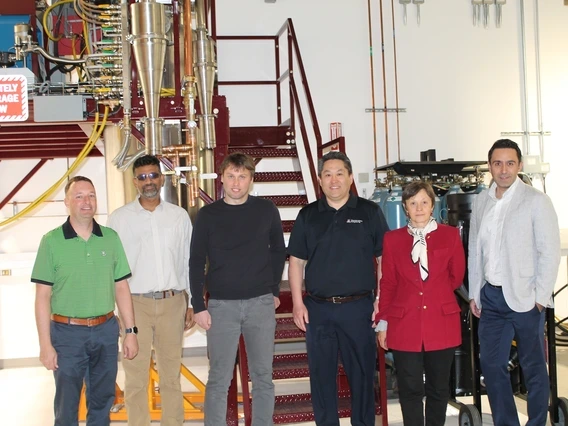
(204, 68)
(149, 46)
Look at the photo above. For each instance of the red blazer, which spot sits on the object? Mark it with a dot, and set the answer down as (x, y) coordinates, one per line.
(421, 313)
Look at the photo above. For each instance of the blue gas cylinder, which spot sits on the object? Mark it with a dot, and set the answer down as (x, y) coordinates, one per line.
(393, 210)
(379, 196)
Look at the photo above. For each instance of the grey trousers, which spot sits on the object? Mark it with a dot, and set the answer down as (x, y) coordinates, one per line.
(255, 319)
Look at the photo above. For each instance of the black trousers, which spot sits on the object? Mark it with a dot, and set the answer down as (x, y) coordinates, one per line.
(411, 367)
(341, 328)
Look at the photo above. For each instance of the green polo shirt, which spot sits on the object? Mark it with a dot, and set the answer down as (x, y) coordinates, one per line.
(82, 273)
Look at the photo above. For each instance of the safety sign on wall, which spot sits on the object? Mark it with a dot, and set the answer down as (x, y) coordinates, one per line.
(13, 98)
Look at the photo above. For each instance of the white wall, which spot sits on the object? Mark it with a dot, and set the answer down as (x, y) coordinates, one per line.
(461, 86)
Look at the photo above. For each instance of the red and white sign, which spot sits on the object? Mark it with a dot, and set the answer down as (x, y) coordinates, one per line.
(13, 98)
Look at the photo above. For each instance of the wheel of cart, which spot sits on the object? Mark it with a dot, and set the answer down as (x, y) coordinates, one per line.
(561, 418)
(469, 415)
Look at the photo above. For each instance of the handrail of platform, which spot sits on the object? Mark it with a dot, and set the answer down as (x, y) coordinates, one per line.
(294, 55)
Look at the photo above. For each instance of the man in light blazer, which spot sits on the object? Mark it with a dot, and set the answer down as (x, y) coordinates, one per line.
(514, 253)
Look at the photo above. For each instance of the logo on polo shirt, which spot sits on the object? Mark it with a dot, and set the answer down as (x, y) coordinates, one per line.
(354, 221)
(104, 253)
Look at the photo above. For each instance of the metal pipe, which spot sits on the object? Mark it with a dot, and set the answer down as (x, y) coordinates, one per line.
(538, 83)
(372, 72)
(37, 49)
(204, 70)
(189, 105)
(384, 84)
(126, 77)
(395, 80)
(526, 141)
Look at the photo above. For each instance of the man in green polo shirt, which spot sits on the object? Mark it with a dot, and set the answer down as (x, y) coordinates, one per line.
(80, 272)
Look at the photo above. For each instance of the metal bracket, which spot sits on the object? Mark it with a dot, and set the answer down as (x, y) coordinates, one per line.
(385, 109)
(526, 133)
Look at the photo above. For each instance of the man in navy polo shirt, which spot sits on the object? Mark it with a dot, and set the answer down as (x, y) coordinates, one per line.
(336, 240)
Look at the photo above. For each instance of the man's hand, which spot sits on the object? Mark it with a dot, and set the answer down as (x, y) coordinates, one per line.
(203, 319)
(375, 312)
(189, 321)
(539, 307)
(276, 302)
(383, 340)
(300, 313)
(130, 346)
(474, 309)
(48, 357)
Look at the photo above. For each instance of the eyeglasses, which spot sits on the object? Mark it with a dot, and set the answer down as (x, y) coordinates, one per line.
(142, 177)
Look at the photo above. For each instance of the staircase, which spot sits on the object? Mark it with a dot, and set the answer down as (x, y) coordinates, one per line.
(286, 174)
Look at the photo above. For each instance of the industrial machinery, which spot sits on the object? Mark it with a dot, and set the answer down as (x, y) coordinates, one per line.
(148, 67)
(149, 64)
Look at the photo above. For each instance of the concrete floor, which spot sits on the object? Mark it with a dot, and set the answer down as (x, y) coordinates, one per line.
(26, 395)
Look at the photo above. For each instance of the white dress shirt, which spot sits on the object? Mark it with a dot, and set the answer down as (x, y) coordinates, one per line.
(156, 245)
(491, 231)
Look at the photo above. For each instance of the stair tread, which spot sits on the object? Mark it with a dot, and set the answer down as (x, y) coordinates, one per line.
(287, 330)
(298, 408)
(260, 136)
(267, 152)
(287, 226)
(285, 176)
(293, 366)
(287, 200)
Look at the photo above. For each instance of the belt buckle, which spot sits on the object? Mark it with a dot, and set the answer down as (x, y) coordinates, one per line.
(336, 299)
(92, 321)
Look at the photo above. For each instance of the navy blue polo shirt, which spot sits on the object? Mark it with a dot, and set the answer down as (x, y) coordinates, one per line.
(340, 246)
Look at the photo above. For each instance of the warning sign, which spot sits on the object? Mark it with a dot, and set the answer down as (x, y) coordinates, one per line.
(13, 98)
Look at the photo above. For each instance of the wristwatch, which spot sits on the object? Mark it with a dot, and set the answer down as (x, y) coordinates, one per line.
(133, 330)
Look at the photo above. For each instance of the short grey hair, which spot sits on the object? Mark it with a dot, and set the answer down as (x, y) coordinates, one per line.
(335, 155)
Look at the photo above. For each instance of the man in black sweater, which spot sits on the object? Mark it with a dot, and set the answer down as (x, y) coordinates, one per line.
(241, 238)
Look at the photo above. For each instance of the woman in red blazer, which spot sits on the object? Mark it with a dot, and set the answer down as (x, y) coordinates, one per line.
(419, 317)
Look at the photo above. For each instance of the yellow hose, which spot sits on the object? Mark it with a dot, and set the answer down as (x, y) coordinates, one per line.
(46, 14)
(95, 135)
(86, 37)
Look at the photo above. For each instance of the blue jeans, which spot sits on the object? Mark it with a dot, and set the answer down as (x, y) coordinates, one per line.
(87, 354)
(256, 320)
(498, 325)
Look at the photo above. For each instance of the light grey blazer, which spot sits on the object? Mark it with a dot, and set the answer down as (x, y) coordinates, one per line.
(530, 250)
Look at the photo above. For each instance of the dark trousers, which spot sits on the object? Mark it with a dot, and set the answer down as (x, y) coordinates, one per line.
(341, 328)
(498, 325)
(411, 369)
(89, 354)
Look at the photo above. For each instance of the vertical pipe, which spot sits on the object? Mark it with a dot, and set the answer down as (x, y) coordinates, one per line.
(278, 82)
(291, 80)
(395, 81)
(372, 71)
(384, 85)
(526, 125)
(538, 82)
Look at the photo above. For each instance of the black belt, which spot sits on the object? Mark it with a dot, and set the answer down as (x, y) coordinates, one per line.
(340, 299)
(495, 286)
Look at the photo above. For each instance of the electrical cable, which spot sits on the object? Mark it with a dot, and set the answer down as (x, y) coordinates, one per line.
(95, 135)
(46, 14)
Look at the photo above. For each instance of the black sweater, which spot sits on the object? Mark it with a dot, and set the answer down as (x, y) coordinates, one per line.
(244, 245)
